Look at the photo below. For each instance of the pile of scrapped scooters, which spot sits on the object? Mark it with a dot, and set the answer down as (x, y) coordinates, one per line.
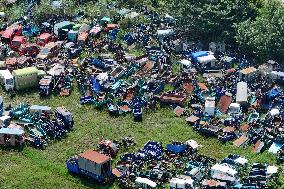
(218, 91)
(34, 125)
(259, 176)
(178, 164)
(183, 167)
(57, 82)
(235, 113)
(219, 87)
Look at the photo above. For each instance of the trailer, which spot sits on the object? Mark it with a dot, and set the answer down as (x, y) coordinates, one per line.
(45, 38)
(50, 50)
(11, 63)
(26, 78)
(82, 38)
(10, 32)
(30, 49)
(165, 33)
(17, 42)
(61, 29)
(224, 103)
(180, 183)
(95, 30)
(224, 172)
(213, 184)
(92, 164)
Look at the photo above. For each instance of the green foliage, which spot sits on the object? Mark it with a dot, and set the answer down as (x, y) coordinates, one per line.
(91, 10)
(210, 20)
(137, 52)
(259, 30)
(44, 10)
(176, 67)
(275, 182)
(32, 39)
(168, 88)
(127, 23)
(264, 37)
(2, 5)
(200, 78)
(134, 3)
(13, 11)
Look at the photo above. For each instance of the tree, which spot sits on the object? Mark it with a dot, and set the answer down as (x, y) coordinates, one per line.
(212, 20)
(137, 3)
(263, 38)
(14, 11)
(44, 10)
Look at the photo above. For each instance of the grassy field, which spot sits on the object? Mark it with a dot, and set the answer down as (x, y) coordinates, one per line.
(33, 168)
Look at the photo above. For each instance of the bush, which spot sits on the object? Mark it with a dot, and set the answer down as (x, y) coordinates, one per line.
(263, 38)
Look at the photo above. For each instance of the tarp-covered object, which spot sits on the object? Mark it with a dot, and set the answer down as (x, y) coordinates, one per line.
(242, 92)
(275, 147)
(206, 59)
(198, 54)
(106, 19)
(12, 131)
(185, 62)
(178, 183)
(179, 148)
(96, 86)
(193, 144)
(165, 33)
(62, 25)
(140, 180)
(223, 172)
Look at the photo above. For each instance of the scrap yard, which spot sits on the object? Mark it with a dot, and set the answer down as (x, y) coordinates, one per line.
(121, 96)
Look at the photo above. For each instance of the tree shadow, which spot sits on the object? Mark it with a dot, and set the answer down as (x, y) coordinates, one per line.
(90, 182)
(12, 148)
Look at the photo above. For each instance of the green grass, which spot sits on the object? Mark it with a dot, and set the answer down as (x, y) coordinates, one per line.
(168, 87)
(137, 52)
(176, 67)
(33, 168)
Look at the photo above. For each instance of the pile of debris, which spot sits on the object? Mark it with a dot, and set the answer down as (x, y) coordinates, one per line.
(34, 125)
(179, 164)
(126, 70)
